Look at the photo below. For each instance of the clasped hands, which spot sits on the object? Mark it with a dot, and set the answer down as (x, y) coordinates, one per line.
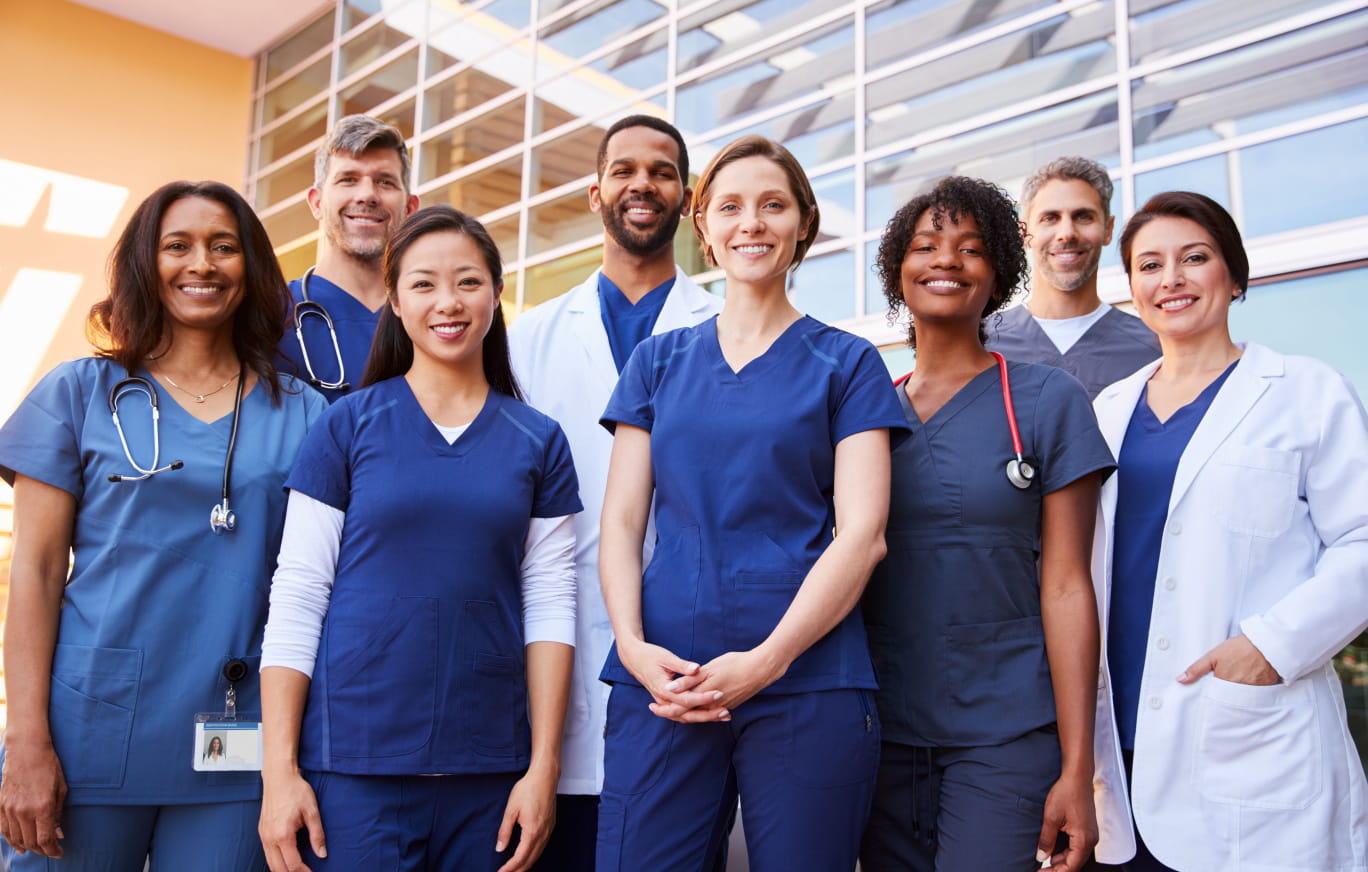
(693, 693)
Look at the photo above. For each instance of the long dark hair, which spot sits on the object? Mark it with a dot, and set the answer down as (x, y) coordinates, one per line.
(391, 353)
(129, 324)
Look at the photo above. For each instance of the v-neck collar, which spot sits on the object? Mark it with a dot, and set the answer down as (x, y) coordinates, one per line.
(1198, 404)
(221, 425)
(961, 399)
(432, 436)
(762, 362)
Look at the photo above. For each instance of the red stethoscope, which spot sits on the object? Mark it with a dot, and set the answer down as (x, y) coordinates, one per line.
(1019, 470)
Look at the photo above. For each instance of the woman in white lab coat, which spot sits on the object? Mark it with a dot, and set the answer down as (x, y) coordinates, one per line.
(1231, 565)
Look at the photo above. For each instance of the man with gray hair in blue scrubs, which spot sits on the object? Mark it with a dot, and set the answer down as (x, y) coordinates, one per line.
(1067, 221)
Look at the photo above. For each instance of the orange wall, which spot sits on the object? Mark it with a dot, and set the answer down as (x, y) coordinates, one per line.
(95, 96)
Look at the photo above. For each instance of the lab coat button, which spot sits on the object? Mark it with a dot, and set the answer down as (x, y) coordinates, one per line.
(1175, 528)
(1162, 643)
(1170, 583)
(1155, 702)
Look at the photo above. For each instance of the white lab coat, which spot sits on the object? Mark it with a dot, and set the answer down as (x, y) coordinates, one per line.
(565, 367)
(1267, 535)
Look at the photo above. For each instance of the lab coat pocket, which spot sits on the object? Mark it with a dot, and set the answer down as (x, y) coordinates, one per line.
(93, 697)
(669, 592)
(381, 675)
(1260, 486)
(1258, 746)
(999, 669)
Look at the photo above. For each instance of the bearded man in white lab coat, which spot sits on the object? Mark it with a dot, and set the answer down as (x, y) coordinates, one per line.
(567, 354)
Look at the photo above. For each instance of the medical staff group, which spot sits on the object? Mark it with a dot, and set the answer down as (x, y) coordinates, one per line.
(403, 589)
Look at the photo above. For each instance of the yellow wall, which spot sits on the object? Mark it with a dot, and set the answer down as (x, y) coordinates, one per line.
(100, 98)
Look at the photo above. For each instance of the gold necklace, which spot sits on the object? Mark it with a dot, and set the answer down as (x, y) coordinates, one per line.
(199, 398)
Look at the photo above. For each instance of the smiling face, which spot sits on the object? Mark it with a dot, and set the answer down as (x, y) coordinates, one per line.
(201, 264)
(752, 222)
(946, 274)
(640, 194)
(446, 298)
(1066, 231)
(1180, 284)
(362, 202)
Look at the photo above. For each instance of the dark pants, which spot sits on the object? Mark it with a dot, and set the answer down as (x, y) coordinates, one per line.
(571, 847)
(961, 809)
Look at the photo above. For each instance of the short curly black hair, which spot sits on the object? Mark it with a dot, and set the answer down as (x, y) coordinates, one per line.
(953, 196)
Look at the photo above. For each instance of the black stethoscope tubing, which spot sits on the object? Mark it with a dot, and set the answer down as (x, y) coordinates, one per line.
(222, 519)
(1020, 472)
(303, 309)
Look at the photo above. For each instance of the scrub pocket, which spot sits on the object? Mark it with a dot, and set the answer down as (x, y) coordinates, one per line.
(999, 670)
(765, 581)
(94, 694)
(382, 679)
(1258, 746)
(669, 592)
(494, 692)
(1266, 482)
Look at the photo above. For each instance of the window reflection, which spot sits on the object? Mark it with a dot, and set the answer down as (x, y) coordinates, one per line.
(382, 85)
(483, 191)
(824, 287)
(284, 183)
(900, 29)
(294, 50)
(467, 143)
(484, 80)
(297, 90)
(589, 29)
(299, 131)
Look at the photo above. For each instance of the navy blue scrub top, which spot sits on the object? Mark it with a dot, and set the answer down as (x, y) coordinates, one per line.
(953, 612)
(744, 465)
(1148, 463)
(421, 667)
(355, 325)
(628, 323)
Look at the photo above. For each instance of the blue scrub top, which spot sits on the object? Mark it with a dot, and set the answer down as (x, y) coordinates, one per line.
(744, 465)
(1150, 452)
(953, 612)
(355, 325)
(156, 603)
(421, 667)
(628, 323)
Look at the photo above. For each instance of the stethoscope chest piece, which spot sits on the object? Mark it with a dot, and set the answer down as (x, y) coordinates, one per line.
(222, 519)
(1020, 473)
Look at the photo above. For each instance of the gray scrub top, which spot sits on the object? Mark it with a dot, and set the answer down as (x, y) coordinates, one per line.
(1113, 348)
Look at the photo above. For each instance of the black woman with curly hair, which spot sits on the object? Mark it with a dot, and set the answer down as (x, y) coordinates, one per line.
(981, 620)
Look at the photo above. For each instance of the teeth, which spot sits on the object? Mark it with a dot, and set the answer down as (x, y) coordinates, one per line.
(200, 290)
(641, 211)
(368, 219)
(944, 284)
(1176, 304)
(753, 249)
(449, 329)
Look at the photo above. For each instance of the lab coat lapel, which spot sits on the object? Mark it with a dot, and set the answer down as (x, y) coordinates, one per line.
(587, 325)
(685, 299)
(1237, 396)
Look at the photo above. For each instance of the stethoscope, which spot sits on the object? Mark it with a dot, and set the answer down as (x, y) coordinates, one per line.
(304, 308)
(1020, 472)
(222, 519)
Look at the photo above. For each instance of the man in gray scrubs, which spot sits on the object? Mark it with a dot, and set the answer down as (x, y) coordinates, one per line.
(1065, 209)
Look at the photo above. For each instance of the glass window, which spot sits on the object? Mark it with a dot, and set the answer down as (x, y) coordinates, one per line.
(284, 183)
(384, 84)
(1209, 176)
(1003, 153)
(549, 280)
(474, 140)
(290, 223)
(716, 29)
(1299, 75)
(294, 261)
(371, 45)
(563, 42)
(516, 14)
(355, 12)
(820, 61)
(505, 235)
(296, 90)
(484, 80)
(900, 29)
(303, 44)
(562, 221)
(566, 158)
(1313, 178)
(875, 303)
(815, 134)
(824, 287)
(641, 65)
(484, 191)
(296, 133)
(836, 202)
(1057, 53)
(1165, 27)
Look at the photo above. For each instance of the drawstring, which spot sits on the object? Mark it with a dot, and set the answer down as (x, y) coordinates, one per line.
(923, 809)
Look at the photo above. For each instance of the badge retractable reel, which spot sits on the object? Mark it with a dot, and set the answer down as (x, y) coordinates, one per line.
(225, 742)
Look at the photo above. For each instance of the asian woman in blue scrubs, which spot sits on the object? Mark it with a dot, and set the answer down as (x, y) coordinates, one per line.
(107, 667)
(417, 659)
(740, 662)
(981, 619)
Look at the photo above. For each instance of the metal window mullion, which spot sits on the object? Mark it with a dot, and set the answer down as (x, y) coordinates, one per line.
(1125, 113)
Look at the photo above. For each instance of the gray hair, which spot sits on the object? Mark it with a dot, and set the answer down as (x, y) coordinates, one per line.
(1080, 168)
(356, 134)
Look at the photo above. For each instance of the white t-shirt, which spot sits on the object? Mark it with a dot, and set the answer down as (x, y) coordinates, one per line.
(1064, 332)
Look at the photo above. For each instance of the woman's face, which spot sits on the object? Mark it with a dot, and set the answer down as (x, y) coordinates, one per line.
(1179, 281)
(946, 273)
(200, 263)
(753, 221)
(215, 745)
(445, 297)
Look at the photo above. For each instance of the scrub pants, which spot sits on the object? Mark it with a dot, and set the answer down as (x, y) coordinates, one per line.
(961, 809)
(572, 843)
(804, 765)
(211, 837)
(407, 823)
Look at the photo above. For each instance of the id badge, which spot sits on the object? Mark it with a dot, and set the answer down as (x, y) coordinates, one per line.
(223, 745)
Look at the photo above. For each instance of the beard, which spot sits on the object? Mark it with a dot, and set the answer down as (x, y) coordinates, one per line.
(367, 249)
(635, 240)
(1074, 278)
